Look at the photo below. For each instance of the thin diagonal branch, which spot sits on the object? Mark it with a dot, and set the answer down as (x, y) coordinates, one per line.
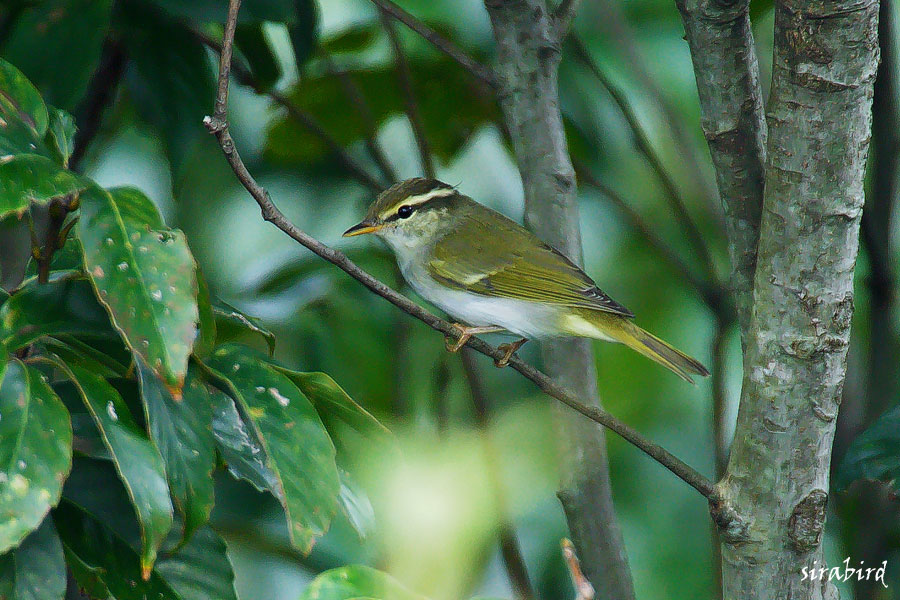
(404, 77)
(245, 77)
(642, 142)
(712, 295)
(438, 41)
(358, 100)
(100, 93)
(218, 125)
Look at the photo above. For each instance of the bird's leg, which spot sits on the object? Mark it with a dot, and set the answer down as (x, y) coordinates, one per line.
(465, 333)
(508, 351)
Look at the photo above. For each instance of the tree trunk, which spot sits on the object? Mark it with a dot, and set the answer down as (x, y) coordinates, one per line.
(772, 499)
(528, 53)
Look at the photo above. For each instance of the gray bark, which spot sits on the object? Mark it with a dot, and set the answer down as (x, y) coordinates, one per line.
(528, 53)
(772, 499)
(731, 109)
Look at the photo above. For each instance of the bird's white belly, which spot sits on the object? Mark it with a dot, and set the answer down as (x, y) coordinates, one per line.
(527, 319)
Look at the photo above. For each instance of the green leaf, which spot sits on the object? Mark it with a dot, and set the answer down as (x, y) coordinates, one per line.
(450, 109)
(356, 582)
(206, 326)
(23, 113)
(334, 405)
(231, 323)
(874, 454)
(239, 448)
(61, 134)
(27, 179)
(298, 450)
(353, 39)
(54, 308)
(137, 461)
(254, 47)
(36, 569)
(304, 32)
(35, 451)
(356, 506)
(171, 84)
(145, 278)
(57, 43)
(198, 571)
(182, 430)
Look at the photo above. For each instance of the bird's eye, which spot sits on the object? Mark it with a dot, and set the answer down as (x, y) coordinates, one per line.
(404, 211)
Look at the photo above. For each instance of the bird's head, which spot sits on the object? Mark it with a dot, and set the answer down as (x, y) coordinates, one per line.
(408, 213)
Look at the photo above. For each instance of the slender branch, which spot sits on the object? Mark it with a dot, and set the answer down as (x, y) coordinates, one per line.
(713, 295)
(583, 588)
(404, 77)
(645, 147)
(438, 41)
(358, 100)
(100, 93)
(720, 405)
(218, 125)
(245, 77)
(509, 544)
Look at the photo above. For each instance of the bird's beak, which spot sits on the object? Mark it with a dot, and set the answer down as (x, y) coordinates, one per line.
(362, 228)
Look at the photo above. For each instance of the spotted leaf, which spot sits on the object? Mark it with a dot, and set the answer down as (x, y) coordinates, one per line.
(144, 276)
(298, 450)
(136, 459)
(35, 451)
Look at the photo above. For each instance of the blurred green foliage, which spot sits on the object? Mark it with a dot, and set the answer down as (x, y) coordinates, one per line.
(429, 513)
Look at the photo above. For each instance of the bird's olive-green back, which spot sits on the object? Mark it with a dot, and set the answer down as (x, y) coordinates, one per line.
(485, 253)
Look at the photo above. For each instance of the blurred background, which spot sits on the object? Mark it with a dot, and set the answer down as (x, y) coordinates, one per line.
(633, 122)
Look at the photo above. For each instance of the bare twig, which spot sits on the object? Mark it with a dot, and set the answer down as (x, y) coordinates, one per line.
(583, 588)
(218, 125)
(245, 77)
(100, 92)
(404, 77)
(713, 295)
(358, 100)
(642, 142)
(438, 41)
(719, 351)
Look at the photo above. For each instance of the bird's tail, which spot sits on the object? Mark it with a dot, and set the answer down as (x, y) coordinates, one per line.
(616, 328)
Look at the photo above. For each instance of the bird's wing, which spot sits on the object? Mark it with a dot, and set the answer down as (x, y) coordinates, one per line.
(526, 269)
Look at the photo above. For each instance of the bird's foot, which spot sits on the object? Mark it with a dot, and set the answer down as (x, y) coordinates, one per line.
(464, 334)
(508, 351)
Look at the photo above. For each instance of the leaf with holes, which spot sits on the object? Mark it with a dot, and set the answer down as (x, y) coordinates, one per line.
(146, 278)
(355, 582)
(137, 460)
(182, 430)
(238, 447)
(27, 179)
(335, 406)
(35, 451)
(36, 569)
(298, 450)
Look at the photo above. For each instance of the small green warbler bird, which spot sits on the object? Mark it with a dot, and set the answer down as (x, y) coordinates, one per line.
(491, 273)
